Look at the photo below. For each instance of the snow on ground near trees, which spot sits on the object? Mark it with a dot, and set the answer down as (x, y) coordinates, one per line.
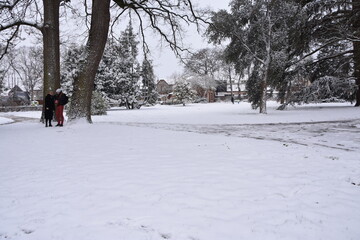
(5, 120)
(200, 172)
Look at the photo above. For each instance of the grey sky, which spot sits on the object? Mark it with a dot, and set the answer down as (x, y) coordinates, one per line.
(165, 62)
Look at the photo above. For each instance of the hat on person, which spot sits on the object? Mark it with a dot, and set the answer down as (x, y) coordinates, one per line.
(58, 90)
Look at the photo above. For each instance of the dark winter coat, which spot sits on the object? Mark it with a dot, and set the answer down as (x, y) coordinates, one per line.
(49, 106)
(61, 98)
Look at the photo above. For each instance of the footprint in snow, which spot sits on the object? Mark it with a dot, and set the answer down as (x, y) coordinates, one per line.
(165, 235)
(27, 231)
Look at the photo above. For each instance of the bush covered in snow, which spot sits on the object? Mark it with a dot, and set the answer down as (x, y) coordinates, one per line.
(326, 89)
(99, 104)
(183, 92)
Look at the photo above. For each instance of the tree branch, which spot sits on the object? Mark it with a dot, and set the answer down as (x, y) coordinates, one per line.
(8, 42)
(20, 23)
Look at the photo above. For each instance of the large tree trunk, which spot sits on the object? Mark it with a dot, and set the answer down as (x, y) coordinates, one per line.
(357, 70)
(263, 89)
(80, 106)
(356, 46)
(51, 47)
(263, 85)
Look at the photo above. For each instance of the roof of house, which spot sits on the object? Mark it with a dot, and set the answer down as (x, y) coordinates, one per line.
(16, 89)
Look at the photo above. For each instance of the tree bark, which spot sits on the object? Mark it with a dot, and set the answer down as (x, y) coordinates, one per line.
(357, 71)
(267, 40)
(263, 87)
(51, 47)
(231, 87)
(356, 46)
(80, 106)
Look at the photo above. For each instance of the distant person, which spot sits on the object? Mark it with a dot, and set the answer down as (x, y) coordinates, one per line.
(60, 101)
(49, 108)
(232, 99)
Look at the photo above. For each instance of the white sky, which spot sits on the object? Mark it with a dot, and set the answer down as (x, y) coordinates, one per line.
(165, 62)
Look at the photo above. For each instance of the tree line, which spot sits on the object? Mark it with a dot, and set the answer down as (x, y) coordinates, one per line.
(276, 44)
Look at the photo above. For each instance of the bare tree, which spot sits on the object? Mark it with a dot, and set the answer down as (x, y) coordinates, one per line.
(29, 64)
(42, 16)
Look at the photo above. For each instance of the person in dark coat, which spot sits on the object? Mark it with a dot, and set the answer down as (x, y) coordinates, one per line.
(49, 108)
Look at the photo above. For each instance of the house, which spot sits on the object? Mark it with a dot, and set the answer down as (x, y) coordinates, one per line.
(162, 87)
(16, 97)
(224, 91)
(164, 90)
(204, 94)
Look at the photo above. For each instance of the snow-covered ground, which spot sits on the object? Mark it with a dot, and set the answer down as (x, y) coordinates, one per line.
(200, 172)
(5, 120)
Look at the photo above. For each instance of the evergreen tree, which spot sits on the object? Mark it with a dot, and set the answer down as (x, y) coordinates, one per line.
(333, 26)
(119, 71)
(148, 90)
(99, 104)
(183, 92)
(70, 67)
(259, 32)
(325, 89)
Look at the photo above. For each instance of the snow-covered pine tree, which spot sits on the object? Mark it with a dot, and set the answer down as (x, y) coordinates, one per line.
(70, 66)
(182, 92)
(329, 23)
(326, 89)
(327, 78)
(99, 104)
(149, 94)
(259, 31)
(119, 71)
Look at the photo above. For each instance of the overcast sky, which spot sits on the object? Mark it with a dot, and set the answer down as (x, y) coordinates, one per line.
(165, 62)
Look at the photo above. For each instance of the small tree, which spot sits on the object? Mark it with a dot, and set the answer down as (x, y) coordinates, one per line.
(149, 93)
(29, 64)
(201, 68)
(70, 67)
(183, 92)
(99, 104)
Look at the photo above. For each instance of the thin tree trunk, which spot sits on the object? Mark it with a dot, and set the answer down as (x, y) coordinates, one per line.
(51, 47)
(80, 106)
(231, 86)
(356, 46)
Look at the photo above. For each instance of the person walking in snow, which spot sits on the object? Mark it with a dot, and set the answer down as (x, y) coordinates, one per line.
(60, 101)
(49, 108)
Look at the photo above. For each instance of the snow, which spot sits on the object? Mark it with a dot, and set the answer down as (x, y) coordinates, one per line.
(200, 172)
(5, 120)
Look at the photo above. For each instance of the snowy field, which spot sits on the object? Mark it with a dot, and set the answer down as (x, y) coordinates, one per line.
(201, 172)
